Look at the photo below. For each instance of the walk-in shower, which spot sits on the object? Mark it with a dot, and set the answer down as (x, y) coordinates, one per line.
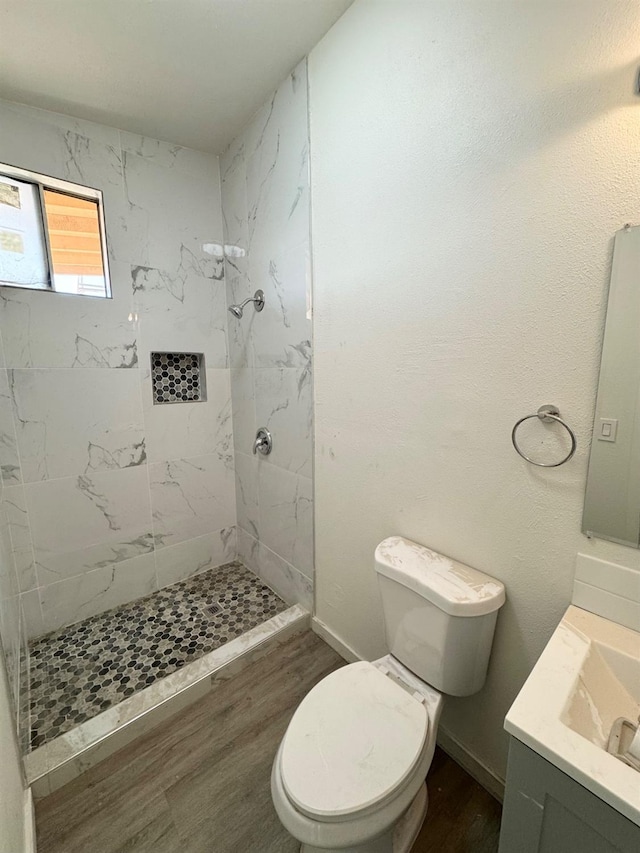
(146, 551)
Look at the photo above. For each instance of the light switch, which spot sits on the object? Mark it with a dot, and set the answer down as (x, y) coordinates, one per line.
(608, 429)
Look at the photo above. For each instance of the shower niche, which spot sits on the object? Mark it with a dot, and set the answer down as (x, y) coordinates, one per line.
(178, 377)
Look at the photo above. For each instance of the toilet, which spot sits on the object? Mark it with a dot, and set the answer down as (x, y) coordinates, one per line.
(350, 772)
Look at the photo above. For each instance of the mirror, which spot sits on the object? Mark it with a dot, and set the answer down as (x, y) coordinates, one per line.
(612, 499)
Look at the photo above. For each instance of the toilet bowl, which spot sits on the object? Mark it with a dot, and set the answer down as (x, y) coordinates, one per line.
(350, 771)
(372, 726)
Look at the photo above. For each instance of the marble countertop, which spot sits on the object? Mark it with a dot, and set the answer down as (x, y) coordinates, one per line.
(585, 678)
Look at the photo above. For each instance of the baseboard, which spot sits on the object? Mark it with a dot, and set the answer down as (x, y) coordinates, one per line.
(331, 639)
(29, 823)
(454, 749)
(474, 767)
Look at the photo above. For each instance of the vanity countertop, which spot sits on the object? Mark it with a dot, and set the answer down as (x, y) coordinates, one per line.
(587, 676)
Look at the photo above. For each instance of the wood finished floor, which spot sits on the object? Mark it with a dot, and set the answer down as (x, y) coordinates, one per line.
(199, 783)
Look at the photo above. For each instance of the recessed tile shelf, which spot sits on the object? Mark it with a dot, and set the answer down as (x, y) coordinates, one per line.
(178, 377)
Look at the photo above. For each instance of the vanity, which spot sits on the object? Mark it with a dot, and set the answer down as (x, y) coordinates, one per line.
(565, 792)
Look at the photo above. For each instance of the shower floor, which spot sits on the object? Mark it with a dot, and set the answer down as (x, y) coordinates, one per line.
(80, 671)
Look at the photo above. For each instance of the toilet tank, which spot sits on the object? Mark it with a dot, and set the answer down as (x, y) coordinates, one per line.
(439, 615)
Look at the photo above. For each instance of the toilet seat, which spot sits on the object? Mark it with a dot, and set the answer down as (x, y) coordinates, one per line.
(353, 743)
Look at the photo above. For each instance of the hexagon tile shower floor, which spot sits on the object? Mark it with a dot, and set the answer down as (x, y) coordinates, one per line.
(84, 669)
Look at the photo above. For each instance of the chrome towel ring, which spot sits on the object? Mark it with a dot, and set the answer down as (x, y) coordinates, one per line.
(547, 414)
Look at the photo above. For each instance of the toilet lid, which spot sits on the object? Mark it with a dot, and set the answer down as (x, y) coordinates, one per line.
(353, 741)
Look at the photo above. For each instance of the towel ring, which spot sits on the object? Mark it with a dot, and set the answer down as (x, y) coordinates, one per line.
(546, 414)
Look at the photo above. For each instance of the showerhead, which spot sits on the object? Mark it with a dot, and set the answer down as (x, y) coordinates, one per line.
(258, 304)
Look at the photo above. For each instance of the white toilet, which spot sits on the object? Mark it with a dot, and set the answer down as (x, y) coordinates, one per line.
(349, 773)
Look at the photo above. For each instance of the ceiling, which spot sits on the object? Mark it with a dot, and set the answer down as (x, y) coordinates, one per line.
(190, 72)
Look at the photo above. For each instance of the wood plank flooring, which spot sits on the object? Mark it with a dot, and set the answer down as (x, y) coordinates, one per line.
(462, 816)
(199, 783)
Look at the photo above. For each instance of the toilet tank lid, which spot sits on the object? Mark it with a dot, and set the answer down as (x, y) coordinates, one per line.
(455, 588)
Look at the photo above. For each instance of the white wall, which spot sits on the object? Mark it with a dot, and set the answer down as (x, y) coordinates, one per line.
(470, 164)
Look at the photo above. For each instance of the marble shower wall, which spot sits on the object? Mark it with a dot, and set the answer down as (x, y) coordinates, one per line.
(13, 637)
(107, 496)
(265, 203)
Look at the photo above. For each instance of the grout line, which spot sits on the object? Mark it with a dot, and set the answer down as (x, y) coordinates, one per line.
(23, 634)
(135, 557)
(100, 471)
(22, 485)
(312, 335)
(275, 553)
(148, 478)
(126, 370)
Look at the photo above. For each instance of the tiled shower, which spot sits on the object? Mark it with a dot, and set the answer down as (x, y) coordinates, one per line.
(119, 484)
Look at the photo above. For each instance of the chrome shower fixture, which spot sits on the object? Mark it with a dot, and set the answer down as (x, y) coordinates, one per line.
(258, 304)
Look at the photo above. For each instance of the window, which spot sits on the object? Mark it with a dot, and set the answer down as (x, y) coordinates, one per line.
(52, 235)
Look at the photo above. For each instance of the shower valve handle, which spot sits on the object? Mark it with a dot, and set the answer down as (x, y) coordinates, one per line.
(263, 442)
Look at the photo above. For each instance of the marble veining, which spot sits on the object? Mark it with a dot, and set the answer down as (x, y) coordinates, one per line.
(31, 430)
(90, 355)
(9, 460)
(145, 278)
(10, 611)
(191, 556)
(122, 457)
(15, 514)
(190, 497)
(290, 583)
(112, 514)
(183, 314)
(265, 204)
(191, 429)
(448, 578)
(87, 333)
(283, 403)
(80, 152)
(77, 424)
(59, 434)
(95, 591)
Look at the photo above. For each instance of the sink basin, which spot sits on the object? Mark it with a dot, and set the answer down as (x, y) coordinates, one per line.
(607, 687)
(586, 678)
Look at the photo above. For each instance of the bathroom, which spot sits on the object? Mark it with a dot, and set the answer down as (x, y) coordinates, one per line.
(428, 212)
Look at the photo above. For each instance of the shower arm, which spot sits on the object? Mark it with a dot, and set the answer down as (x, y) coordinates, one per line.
(257, 299)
